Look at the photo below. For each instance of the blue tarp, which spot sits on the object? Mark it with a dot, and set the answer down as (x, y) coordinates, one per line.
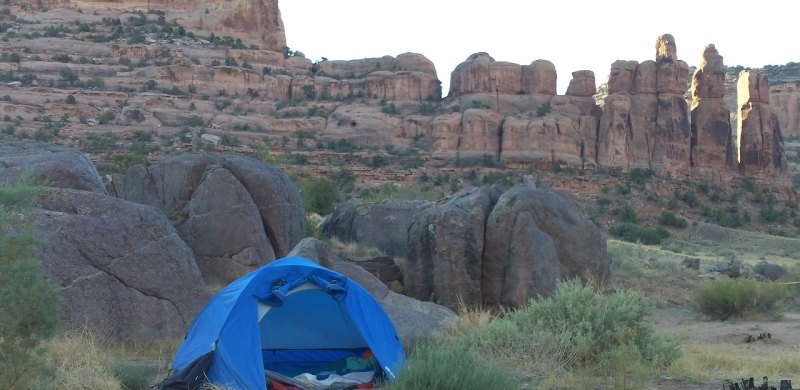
(336, 314)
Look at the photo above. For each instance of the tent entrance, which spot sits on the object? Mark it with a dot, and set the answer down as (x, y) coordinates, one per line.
(308, 326)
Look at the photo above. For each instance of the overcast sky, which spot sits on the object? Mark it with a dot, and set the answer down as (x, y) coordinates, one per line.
(572, 34)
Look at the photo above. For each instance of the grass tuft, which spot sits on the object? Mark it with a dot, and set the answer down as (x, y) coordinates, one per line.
(82, 361)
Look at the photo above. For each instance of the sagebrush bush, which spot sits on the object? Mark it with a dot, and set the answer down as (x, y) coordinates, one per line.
(593, 325)
(452, 367)
(725, 298)
(576, 330)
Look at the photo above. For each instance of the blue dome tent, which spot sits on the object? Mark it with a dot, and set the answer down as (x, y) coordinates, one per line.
(290, 314)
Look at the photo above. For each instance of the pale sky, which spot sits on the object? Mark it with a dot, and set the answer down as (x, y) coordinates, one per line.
(573, 34)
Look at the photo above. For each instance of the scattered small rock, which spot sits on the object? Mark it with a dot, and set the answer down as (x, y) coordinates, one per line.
(691, 263)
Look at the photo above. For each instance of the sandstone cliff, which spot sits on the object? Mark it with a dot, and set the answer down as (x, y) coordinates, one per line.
(258, 21)
(758, 137)
(645, 122)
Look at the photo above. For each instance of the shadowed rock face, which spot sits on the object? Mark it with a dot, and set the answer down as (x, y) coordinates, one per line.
(120, 265)
(712, 146)
(487, 246)
(235, 213)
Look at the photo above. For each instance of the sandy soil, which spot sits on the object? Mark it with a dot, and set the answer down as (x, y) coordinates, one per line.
(685, 324)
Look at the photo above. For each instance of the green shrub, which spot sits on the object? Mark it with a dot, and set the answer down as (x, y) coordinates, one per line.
(633, 233)
(724, 298)
(592, 325)
(319, 195)
(669, 218)
(28, 302)
(577, 329)
(448, 367)
(640, 175)
(70, 99)
(628, 214)
(105, 117)
(543, 110)
(120, 162)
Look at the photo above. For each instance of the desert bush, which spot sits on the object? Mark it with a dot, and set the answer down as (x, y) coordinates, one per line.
(633, 233)
(669, 218)
(452, 367)
(724, 298)
(28, 302)
(577, 330)
(593, 325)
(318, 194)
(82, 361)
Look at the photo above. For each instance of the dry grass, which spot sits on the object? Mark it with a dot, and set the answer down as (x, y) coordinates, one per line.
(472, 317)
(702, 362)
(354, 250)
(82, 361)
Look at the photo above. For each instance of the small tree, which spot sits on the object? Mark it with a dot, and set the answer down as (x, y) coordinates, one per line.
(28, 303)
(70, 99)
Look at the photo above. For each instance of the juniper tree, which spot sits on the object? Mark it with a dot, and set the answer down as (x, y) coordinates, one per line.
(28, 302)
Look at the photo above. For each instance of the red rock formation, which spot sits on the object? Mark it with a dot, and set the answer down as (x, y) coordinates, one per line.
(255, 21)
(784, 98)
(480, 73)
(758, 134)
(646, 119)
(712, 150)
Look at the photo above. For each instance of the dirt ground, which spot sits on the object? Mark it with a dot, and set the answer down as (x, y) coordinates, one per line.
(684, 324)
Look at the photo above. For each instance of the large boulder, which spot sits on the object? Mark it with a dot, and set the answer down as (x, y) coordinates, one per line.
(444, 260)
(221, 224)
(487, 246)
(60, 166)
(382, 225)
(122, 267)
(520, 260)
(235, 213)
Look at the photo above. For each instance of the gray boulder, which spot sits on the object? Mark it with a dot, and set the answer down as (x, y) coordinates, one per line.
(235, 213)
(520, 260)
(223, 227)
(59, 165)
(770, 271)
(444, 260)
(580, 244)
(122, 267)
(383, 225)
(277, 198)
(485, 245)
(414, 320)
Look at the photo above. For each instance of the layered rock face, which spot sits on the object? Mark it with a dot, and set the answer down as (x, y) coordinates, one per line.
(513, 115)
(234, 213)
(410, 76)
(256, 21)
(484, 245)
(784, 98)
(645, 122)
(758, 137)
(712, 146)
